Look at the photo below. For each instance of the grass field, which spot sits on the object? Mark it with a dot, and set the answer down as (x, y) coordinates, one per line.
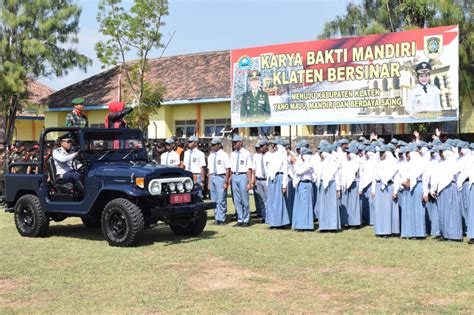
(232, 270)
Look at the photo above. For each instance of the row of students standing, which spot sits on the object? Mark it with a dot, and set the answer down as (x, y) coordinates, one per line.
(399, 188)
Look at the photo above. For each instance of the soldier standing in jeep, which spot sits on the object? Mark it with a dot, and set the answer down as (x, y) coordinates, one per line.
(77, 118)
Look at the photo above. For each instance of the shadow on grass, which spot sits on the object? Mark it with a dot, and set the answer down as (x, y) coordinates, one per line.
(159, 234)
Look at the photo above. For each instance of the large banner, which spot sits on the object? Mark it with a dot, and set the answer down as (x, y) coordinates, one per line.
(403, 77)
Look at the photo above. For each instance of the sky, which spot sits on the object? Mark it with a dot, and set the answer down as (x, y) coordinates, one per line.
(210, 25)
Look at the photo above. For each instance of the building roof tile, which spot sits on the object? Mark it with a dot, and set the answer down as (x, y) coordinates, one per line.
(184, 77)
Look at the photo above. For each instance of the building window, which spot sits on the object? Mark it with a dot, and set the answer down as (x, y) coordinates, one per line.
(185, 128)
(214, 127)
(264, 131)
(357, 129)
(448, 103)
(396, 83)
(325, 129)
(445, 81)
(436, 82)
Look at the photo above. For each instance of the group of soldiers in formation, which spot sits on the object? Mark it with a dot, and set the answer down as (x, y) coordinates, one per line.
(412, 190)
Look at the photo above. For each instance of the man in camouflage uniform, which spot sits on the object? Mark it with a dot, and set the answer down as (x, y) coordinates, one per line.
(34, 158)
(255, 103)
(77, 118)
(20, 156)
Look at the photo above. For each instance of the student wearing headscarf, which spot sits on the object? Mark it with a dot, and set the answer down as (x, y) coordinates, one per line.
(387, 220)
(316, 176)
(367, 174)
(403, 191)
(277, 215)
(462, 180)
(432, 224)
(329, 214)
(350, 204)
(293, 158)
(414, 215)
(303, 217)
(450, 217)
(470, 213)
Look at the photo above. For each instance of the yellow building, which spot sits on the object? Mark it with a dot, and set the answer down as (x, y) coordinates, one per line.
(30, 123)
(196, 100)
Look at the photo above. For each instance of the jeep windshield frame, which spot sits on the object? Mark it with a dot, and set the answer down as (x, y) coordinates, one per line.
(113, 144)
(96, 134)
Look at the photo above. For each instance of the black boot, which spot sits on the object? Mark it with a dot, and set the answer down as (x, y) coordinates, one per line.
(80, 187)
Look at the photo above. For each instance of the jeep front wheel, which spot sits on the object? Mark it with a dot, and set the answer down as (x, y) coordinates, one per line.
(122, 222)
(30, 219)
(193, 228)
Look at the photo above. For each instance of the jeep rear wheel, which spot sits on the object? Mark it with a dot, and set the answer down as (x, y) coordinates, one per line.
(194, 227)
(122, 222)
(30, 219)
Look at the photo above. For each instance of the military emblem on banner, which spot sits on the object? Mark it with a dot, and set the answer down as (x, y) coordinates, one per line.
(433, 46)
(245, 63)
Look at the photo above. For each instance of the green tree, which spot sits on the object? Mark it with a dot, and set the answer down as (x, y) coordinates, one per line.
(381, 16)
(34, 40)
(137, 30)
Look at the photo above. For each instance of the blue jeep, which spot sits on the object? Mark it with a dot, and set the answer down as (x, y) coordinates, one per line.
(124, 192)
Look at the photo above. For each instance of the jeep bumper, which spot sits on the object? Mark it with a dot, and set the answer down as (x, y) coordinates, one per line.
(172, 210)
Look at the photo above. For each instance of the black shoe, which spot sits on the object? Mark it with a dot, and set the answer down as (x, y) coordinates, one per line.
(238, 224)
(216, 222)
(245, 224)
(471, 241)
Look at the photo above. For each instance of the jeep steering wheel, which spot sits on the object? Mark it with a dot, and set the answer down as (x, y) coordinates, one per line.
(78, 165)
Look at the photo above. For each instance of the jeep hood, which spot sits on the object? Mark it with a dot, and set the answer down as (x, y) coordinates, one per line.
(146, 170)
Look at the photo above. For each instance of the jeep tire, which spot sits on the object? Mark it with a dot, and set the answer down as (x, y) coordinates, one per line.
(194, 227)
(122, 222)
(30, 219)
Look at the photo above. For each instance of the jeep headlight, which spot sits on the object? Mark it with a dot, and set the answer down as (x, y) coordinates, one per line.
(155, 188)
(188, 184)
(172, 186)
(180, 186)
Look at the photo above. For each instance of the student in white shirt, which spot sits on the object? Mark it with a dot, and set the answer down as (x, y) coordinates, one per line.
(303, 216)
(170, 157)
(260, 184)
(277, 209)
(195, 161)
(218, 179)
(241, 168)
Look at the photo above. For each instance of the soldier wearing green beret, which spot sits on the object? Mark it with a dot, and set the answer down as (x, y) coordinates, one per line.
(255, 103)
(77, 118)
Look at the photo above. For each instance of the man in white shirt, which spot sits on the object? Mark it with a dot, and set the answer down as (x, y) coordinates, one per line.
(260, 171)
(241, 168)
(63, 162)
(170, 157)
(423, 97)
(195, 161)
(218, 179)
